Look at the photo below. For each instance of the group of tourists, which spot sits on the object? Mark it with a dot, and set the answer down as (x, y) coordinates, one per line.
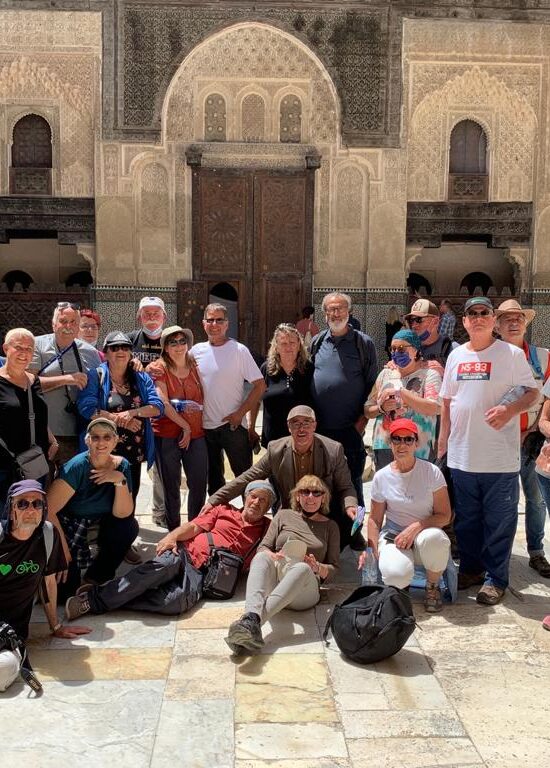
(78, 423)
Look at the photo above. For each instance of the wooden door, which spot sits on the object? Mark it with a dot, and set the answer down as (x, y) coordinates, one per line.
(254, 229)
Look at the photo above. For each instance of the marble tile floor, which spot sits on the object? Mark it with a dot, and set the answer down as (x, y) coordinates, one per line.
(470, 688)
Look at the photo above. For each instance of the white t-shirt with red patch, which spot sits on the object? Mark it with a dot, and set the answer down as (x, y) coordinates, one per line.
(474, 382)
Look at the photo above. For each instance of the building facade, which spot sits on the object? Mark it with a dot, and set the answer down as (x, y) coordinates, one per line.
(265, 153)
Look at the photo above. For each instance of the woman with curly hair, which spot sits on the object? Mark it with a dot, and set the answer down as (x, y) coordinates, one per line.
(287, 372)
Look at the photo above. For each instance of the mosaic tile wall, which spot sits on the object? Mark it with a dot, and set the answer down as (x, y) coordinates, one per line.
(118, 305)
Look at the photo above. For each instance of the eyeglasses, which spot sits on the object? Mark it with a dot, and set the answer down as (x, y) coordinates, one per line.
(25, 504)
(299, 424)
(407, 439)
(67, 305)
(481, 313)
(310, 492)
(336, 310)
(177, 343)
(215, 320)
(417, 320)
(401, 349)
(118, 348)
(89, 328)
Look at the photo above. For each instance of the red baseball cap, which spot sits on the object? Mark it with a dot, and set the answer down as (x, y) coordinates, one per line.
(407, 424)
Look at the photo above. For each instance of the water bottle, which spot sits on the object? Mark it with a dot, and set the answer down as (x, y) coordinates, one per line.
(513, 394)
(369, 573)
(191, 406)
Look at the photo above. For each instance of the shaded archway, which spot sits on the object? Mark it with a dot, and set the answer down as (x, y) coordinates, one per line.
(15, 276)
(475, 280)
(31, 157)
(226, 294)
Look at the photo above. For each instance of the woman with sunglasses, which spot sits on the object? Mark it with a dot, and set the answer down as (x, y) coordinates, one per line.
(300, 550)
(179, 435)
(287, 372)
(408, 387)
(128, 398)
(409, 507)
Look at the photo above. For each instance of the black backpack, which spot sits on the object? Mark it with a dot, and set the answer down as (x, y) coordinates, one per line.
(373, 623)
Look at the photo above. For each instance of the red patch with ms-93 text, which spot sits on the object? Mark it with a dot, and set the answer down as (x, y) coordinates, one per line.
(473, 372)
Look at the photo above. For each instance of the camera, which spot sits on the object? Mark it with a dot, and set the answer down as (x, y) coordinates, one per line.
(71, 407)
(9, 639)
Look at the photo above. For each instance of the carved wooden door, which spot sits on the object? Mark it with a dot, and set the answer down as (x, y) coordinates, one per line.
(254, 229)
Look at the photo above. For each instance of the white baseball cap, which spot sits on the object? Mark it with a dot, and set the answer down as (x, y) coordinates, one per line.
(151, 301)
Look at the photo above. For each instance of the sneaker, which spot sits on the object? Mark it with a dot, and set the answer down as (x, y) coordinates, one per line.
(489, 595)
(546, 623)
(540, 564)
(85, 587)
(433, 602)
(77, 606)
(467, 580)
(132, 556)
(245, 633)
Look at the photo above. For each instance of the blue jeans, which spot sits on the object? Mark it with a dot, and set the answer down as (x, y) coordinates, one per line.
(544, 486)
(486, 508)
(535, 506)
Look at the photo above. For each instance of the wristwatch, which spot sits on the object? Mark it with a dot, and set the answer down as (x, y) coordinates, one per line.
(120, 482)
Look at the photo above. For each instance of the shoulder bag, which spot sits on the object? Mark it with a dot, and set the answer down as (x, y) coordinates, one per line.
(30, 464)
(222, 571)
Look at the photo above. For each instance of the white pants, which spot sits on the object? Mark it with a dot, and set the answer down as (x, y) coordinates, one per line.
(266, 595)
(430, 549)
(10, 662)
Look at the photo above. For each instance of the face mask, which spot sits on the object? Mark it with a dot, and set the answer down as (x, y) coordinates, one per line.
(401, 359)
(153, 334)
(423, 336)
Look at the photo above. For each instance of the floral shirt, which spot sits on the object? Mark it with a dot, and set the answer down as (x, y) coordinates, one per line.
(131, 445)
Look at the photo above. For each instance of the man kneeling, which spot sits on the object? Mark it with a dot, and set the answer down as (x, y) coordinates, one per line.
(172, 582)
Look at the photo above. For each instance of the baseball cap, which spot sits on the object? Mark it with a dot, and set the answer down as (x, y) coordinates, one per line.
(407, 424)
(116, 338)
(151, 301)
(423, 308)
(475, 301)
(101, 421)
(171, 330)
(301, 410)
(25, 486)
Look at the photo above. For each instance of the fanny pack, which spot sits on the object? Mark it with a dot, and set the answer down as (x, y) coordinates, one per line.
(31, 464)
(222, 571)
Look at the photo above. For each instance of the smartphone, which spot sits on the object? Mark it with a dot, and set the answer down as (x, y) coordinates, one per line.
(390, 537)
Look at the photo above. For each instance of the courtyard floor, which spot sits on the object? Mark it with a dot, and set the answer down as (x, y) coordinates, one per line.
(471, 688)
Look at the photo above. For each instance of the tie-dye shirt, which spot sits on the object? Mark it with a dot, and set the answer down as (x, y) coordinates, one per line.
(426, 382)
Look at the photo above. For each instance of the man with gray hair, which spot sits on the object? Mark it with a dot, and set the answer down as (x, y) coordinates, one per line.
(345, 371)
(172, 582)
(62, 363)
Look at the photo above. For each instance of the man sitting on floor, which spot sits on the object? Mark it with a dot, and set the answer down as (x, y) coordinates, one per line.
(172, 582)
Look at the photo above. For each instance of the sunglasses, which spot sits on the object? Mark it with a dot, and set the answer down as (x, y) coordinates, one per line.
(177, 343)
(295, 425)
(67, 305)
(25, 504)
(401, 349)
(215, 320)
(407, 439)
(417, 320)
(119, 348)
(481, 313)
(310, 492)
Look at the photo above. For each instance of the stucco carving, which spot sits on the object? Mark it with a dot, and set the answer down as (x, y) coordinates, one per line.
(248, 55)
(154, 215)
(510, 123)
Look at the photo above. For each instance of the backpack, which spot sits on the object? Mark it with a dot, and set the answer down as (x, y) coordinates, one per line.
(47, 529)
(372, 624)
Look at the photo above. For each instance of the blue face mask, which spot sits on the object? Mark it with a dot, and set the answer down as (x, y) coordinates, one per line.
(401, 359)
(423, 336)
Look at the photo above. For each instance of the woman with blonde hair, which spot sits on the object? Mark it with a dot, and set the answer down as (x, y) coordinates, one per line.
(287, 372)
(300, 550)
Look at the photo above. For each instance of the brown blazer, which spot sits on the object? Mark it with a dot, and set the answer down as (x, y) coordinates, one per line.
(329, 463)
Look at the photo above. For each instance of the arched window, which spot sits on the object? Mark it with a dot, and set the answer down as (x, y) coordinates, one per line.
(215, 118)
(476, 280)
(418, 284)
(83, 279)
(31, 157)
(468, 178)
(17, 276)
(290, 119)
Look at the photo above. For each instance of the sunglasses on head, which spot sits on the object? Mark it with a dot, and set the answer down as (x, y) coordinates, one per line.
(407, 439)
(480, 313)
(25, 504)
(310, 492)
(67, 305)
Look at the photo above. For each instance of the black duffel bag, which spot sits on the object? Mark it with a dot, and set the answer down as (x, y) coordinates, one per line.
(372, 624)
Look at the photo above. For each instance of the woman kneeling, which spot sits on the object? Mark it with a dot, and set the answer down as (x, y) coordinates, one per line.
(300, 550)
(412, 496)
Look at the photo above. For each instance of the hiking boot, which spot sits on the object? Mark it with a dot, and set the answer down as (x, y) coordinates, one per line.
(133, 556)
(433, 602)
(467, 580)
(77, 606)
(489, 595)
(245, 633)
(540, 564)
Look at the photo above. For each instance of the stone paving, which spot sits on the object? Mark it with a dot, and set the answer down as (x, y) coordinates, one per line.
(469, 689)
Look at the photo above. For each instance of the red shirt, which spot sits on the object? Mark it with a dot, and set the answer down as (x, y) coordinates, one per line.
(178, 389)
(228, 529)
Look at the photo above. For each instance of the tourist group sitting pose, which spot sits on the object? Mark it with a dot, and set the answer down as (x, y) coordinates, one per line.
(79, 419)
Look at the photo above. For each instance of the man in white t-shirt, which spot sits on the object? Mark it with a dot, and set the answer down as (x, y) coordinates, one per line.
(481, 437)
(225, 365)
